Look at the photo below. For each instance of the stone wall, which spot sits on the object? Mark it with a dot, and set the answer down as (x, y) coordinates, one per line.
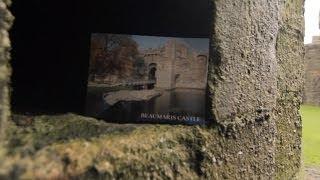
(256, 79)
(5, 24)
(243, 81)
(312, 70)
(255, 89)
(290, 80)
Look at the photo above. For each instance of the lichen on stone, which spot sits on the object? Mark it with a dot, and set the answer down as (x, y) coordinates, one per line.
(71, 146)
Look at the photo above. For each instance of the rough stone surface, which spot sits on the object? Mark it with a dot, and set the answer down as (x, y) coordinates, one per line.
(70, 146)
(5, 24)
(243, 71)
(243, 79)
(290, 74)
(255, 88)
(256, 75)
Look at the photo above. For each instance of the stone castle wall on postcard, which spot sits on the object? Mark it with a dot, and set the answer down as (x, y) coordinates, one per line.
(177, 66)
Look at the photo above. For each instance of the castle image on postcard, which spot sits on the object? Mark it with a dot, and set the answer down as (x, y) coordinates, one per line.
(148, 74)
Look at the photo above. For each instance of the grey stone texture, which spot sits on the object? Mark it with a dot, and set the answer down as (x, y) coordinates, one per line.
(5, 23)
(243, 82)
(255, 82)
(256, 77)
(290, 80)
(312, 70)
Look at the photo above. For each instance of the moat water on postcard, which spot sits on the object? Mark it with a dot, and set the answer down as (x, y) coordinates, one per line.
(179, 103)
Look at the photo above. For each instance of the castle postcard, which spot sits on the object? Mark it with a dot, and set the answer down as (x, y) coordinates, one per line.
(147, 79)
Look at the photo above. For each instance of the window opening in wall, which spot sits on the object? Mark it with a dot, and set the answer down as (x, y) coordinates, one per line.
(51, 51)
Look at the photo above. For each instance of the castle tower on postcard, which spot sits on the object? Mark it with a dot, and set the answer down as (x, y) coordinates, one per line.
(176, 65)
(160, 64)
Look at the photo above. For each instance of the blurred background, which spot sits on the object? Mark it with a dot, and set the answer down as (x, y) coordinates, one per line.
(311, 101)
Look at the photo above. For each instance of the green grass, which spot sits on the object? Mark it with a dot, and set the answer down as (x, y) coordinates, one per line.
(311, 135)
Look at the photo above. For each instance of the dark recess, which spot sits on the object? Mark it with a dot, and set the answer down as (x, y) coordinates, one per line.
(51, 41)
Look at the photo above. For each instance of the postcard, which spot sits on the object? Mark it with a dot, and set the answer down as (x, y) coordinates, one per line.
(147, 79)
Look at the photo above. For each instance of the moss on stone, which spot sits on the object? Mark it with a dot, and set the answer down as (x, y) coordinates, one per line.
(75, 146)
(45, 130)
(290, 52)
(71, 146)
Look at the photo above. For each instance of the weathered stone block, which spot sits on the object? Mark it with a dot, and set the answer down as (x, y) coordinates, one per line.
(69, 146)
(242, 76)
(290, 80)
(5, 24)
(257, 73)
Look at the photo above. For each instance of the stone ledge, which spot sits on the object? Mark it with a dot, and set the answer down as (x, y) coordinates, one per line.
(70, 146)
